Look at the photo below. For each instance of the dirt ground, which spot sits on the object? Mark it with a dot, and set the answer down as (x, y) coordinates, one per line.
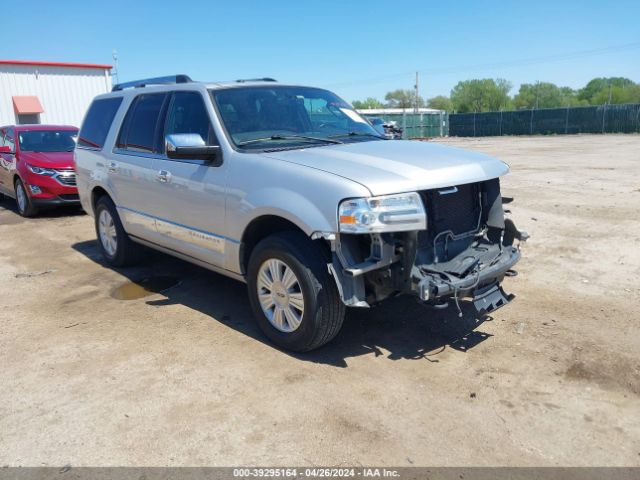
(184, 377)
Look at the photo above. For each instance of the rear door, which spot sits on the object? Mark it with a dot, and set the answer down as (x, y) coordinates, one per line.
(188, 196)
(130, 167)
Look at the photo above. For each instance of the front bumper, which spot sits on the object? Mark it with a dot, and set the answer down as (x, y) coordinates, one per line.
(401, 267)
(68, 199)
(438, 284)
(48, 191)
(466, 250)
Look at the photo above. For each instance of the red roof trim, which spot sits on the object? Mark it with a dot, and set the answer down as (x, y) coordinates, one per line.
(55, 64)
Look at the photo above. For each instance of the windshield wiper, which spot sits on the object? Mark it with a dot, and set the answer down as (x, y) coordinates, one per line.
(358, 134)
(288, 137)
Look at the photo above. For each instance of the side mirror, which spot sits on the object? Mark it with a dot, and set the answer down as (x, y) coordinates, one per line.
(6, 149)
(191, 146)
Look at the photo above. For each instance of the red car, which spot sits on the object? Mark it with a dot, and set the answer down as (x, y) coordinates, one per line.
(36, 166)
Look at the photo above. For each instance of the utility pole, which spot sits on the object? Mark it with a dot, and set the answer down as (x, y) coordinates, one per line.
(114, 54)
(417, 94)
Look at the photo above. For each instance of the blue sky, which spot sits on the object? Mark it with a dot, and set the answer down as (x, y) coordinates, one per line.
(357, 48)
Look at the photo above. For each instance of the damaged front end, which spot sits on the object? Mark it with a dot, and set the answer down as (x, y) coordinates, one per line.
(463, 247)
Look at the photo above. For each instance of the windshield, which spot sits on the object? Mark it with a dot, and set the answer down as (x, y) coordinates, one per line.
(47, 140)
(289, 117)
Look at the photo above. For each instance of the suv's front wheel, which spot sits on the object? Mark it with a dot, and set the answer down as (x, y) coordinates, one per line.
(294, 298)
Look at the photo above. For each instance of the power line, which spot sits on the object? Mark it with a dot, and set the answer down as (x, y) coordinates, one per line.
(496, 65)
(538, 60)
(372, 80)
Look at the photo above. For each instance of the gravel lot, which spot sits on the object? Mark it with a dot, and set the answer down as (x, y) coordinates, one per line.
(185, 378)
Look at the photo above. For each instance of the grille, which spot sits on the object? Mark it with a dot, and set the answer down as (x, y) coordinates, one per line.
(66, 177)
(456, 208)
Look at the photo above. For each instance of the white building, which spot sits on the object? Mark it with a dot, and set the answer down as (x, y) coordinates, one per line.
(49, 92)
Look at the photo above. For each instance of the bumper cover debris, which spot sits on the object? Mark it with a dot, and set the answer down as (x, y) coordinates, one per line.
(438, 284)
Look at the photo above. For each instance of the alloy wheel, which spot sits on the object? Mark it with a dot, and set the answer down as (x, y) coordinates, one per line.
(108, 234)
(280, 295)
(21, 197)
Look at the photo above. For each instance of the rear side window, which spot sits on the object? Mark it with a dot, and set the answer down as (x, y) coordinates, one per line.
(97, 122)
(140, 131)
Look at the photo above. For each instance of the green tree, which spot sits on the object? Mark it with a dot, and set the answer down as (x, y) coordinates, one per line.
(537, 95)
(597, 89)
(546, 95)
(403, 99)
(570, 98)
(441, 103)
(481, 95)
(617, 94)
(368, 103)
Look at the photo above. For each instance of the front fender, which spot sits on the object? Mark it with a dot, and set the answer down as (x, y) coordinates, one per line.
(289, 205)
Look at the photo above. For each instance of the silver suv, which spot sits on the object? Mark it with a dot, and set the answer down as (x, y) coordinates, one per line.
(289, 189)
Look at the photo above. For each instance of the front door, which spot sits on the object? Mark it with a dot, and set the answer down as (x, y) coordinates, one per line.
(188, 197)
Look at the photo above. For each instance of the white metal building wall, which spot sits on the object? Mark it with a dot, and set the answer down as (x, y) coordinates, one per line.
(64, 92)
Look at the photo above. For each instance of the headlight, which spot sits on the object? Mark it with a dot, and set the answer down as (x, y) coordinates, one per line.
(388, 213)
(41, 171)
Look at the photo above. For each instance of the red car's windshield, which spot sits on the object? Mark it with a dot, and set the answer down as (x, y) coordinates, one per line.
(47, 140)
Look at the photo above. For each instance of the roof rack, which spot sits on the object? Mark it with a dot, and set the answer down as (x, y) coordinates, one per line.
(264, 79)
(168, 80)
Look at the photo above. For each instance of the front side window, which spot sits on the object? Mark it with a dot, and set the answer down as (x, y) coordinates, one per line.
(188, 114)
(140, 131)
(47, 140)
(283, 116)
(97, 122)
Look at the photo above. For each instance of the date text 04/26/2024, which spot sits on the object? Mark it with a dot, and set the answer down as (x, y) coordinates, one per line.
(315, 473)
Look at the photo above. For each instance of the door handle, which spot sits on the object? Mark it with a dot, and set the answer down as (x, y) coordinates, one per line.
(113, 167)
(164, 176)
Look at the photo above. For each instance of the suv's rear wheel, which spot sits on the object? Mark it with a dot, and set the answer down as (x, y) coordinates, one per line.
(294, 298)
(25, 205)
(114, 243)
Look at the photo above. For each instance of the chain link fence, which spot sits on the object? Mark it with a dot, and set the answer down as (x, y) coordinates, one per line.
(597, 119)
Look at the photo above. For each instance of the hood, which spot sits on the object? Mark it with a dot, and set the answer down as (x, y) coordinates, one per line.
(396, 166)
(49, 159)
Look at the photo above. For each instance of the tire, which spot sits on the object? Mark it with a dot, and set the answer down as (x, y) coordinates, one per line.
(294, 328)
(23, 201)
(114, 243)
